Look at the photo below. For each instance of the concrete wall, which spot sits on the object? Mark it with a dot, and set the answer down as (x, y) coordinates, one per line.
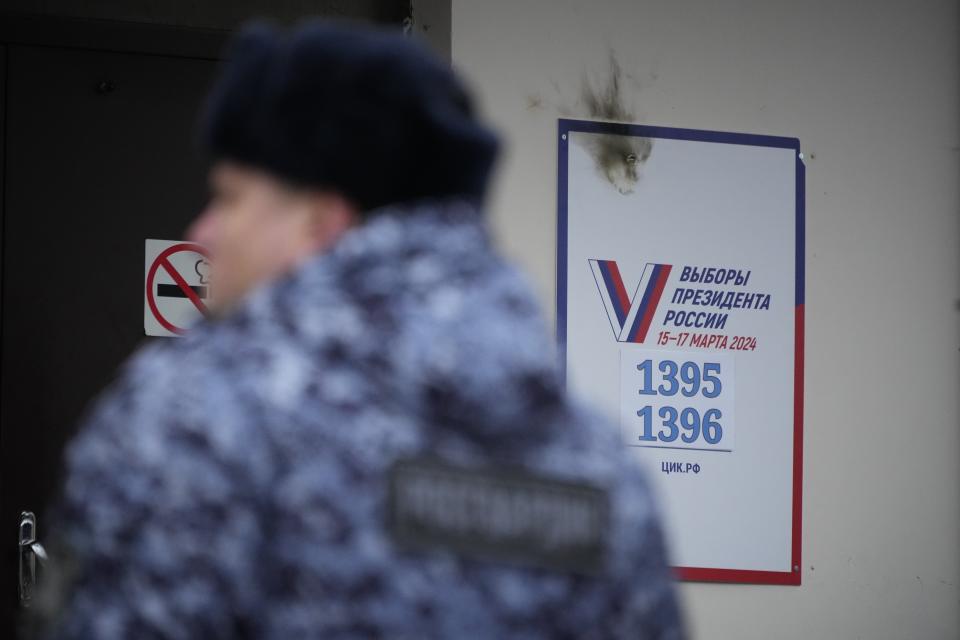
(871, 90)
(431, 21)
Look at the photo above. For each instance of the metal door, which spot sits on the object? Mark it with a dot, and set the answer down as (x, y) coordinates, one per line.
(99, 155)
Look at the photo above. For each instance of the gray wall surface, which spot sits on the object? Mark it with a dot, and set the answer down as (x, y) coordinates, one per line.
(871, 90)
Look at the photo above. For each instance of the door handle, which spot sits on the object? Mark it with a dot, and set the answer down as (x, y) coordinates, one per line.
(31, 552)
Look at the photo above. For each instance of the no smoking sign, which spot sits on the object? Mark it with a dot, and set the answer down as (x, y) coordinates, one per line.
(177, 289)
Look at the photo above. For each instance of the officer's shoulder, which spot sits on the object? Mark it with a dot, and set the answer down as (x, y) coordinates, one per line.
(177, 390)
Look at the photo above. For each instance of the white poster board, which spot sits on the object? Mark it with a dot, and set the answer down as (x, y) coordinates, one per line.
(680, 314)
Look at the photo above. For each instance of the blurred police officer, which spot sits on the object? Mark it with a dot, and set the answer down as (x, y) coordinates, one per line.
(369, 438)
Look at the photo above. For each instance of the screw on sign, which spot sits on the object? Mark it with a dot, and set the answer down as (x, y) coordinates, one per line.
(177, 289)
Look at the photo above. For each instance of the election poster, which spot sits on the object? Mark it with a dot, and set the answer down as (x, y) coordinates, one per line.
(680, 285)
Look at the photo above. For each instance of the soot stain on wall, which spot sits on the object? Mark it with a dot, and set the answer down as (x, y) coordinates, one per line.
(619, 158)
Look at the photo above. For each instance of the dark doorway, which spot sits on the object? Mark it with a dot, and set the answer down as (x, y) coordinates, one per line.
(99, 156)
(97, 117)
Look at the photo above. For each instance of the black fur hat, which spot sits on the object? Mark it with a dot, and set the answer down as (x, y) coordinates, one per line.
(365, 112)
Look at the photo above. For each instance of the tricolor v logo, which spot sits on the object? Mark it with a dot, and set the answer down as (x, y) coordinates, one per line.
(630, 318)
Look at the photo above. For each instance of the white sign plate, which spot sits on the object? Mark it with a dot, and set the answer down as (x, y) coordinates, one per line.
(176, 291)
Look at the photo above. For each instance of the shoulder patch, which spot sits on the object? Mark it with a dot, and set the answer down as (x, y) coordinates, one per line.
(498, 514)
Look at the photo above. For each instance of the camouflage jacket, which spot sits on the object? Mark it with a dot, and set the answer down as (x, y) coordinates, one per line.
(233, 483)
